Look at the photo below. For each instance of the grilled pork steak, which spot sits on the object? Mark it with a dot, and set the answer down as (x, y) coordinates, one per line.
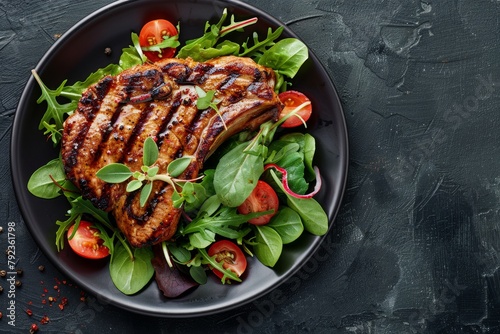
(116, 115)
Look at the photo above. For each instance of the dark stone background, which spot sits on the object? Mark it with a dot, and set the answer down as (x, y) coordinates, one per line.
(415, 247)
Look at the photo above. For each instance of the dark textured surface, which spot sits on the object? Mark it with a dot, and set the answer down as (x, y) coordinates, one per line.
(415, 248)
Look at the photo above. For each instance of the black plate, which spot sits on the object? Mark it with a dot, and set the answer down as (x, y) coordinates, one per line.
(79, 52)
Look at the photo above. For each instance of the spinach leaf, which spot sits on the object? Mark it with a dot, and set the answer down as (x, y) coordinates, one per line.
(307, 145)
(310, 211)
(313, 216)
(45, 181)
(237, 173)
(285, 57)
(288, 224)
(268, 245)
(128, 274)
(199, 274)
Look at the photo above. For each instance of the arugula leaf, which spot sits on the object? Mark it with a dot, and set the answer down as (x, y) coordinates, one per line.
(80, 207)
(223, 222)
(212, 262)
(206, 47)
(168, 42)
(55, 110)
(132, 55)
(53, 118)
(259, 47)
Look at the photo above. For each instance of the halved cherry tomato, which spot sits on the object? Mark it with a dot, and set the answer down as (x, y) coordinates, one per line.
(292, 99)
(231, 254)
(153, 33)
(262, 198)
(86, 241)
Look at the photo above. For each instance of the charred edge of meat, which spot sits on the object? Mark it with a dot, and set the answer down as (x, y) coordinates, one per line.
(181, 72)
(141, 219)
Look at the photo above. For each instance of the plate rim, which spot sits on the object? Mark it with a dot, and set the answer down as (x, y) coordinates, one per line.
(28, 94)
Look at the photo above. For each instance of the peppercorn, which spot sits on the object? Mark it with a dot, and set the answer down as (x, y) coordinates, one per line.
(107, 51)
(41, 267)
(33, 328)
(1, 229)
(3, 273)
(1, 289)
(18, 283)
(19, 272)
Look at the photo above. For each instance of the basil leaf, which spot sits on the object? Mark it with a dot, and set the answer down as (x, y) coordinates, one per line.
(268, 245)
(288, 224)
(286, 56)
(150, 152)
(114, 173)
(133, 185)
(178, 166)
(44, 181)
(145, 192)
(131, 275)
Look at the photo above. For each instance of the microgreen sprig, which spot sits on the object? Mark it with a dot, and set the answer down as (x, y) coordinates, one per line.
(208, 100)
(118, 172)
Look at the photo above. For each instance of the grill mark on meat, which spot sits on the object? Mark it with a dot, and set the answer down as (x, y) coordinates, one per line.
(115, 116)
(166, 123)
(137, 130)
(90, 102)
(228, 82)
(106, 134)
(180, 72)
